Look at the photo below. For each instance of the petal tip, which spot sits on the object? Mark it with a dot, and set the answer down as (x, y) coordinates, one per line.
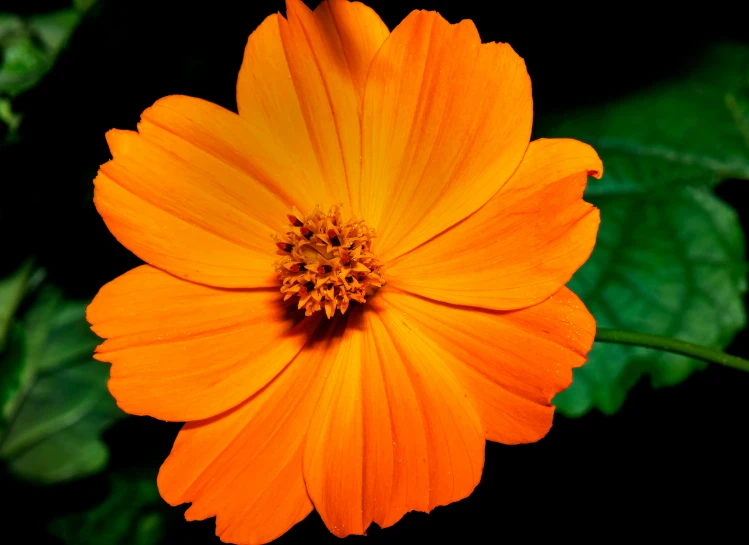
(297, 6)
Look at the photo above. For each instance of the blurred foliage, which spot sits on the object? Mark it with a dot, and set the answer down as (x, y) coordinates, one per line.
(670, 255)
(128, 516)
(12, 290)
(28, 49)
(53, 397)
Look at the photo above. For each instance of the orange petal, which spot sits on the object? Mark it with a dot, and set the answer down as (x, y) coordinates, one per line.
(184, 198)
(245, 466)
(361, 33)
(393, 431)
(183, 351)
(180, 124)
(523, 245)
(511, 363)
(267, 99)
(446, 121)
(328, 53)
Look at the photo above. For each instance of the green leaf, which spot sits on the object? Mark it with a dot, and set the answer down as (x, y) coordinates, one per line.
(61, 403)
(28, 49)
(54, 29)
(13, 374)
(670, 264)
(84, 5)
(670, 255)
(10, 118)
(23, 60)
(689, 131)
(126, 517)
(12, 289)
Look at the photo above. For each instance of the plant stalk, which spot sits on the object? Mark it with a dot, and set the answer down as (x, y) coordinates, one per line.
(667, 344)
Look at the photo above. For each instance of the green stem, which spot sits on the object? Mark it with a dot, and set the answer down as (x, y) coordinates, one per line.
(618, 336)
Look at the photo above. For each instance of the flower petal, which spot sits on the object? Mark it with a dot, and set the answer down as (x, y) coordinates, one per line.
(393, 430)
(183, 351)
(180, 124)
(511, 363)
(245, 466)
(522, 246)
(446, 121)
(361, 33)
(183, 197)
(328, 53)
(267, 99)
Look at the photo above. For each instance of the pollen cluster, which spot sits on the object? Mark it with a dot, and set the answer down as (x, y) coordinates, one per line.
(327, 263)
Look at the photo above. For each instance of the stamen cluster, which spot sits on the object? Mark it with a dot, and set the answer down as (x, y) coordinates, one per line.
(327, 262)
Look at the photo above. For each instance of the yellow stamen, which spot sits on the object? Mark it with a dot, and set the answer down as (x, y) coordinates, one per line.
(327, 263)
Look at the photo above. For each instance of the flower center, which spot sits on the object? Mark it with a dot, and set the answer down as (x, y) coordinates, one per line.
(327, 263)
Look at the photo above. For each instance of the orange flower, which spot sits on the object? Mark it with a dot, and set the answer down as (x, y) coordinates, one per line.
(426, 242)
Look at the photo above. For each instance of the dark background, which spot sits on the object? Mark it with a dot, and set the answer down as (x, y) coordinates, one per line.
(670, 462)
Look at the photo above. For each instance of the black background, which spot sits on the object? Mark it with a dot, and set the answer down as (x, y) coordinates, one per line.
(670, 462)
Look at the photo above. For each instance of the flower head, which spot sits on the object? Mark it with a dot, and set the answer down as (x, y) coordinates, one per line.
(351, 284)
